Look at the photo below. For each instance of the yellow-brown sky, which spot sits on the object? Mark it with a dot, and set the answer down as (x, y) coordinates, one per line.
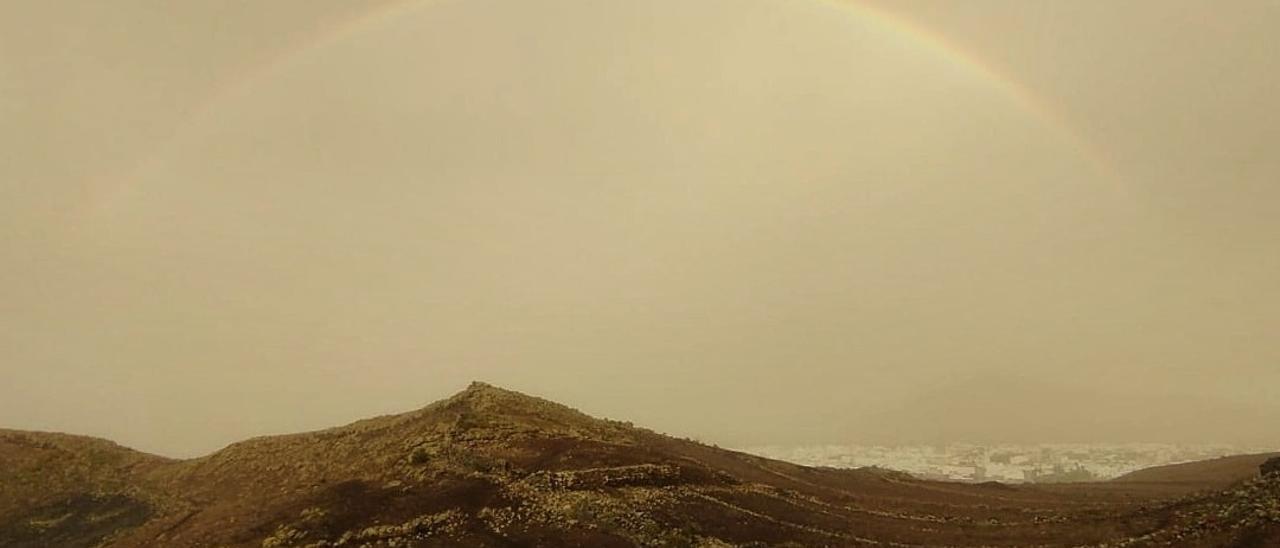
(748, 221)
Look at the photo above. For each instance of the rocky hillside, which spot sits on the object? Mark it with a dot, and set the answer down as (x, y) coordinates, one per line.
(491, 467)
(60, 490)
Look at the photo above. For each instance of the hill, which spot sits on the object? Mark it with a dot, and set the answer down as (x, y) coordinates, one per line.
(491, 467)
(1206, 474)
(57, 489)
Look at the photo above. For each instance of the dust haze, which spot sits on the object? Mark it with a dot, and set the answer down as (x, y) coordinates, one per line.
(743, 221)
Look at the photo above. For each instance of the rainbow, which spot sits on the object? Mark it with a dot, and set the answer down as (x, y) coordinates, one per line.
(927, 40)
(1022, 95)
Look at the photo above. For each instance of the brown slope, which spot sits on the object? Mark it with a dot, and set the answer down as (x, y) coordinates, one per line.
(1216, 473)
(63, 490)
(491, 467)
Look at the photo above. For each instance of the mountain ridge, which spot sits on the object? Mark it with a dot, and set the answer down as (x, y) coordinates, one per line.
(494, 467)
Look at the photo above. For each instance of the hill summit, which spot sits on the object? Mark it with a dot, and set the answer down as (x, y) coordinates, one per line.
(494, 467)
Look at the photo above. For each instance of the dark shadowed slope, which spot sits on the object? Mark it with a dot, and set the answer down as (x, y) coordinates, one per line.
(491, 467)
(61, 490)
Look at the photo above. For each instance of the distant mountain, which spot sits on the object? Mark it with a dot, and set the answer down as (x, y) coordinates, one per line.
(491, 467)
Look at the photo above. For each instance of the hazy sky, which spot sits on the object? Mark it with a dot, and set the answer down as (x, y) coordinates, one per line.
(747, 221)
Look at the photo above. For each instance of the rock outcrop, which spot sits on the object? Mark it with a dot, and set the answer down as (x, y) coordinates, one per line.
(1271, 467)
